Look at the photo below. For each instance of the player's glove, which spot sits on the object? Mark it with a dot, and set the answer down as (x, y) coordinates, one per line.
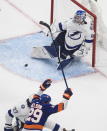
(45, 84)
(8, 127)
(67, 93)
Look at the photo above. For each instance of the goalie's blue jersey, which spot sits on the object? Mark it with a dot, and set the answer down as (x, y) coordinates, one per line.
(39, 114)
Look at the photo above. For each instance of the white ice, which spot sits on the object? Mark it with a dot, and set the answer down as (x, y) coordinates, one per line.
(87, 109)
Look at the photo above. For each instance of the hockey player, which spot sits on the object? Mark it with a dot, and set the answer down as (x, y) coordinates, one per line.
(71, 35)
(41, 109)
(21, 112)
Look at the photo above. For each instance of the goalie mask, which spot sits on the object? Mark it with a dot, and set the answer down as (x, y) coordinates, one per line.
(80, 17)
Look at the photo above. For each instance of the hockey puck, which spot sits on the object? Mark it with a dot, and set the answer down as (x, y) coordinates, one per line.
(26, 65)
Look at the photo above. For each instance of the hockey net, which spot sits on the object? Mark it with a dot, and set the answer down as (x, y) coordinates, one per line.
(63, 9)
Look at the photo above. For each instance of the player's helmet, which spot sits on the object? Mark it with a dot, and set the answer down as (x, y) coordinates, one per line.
(80, 16)
(45, 98)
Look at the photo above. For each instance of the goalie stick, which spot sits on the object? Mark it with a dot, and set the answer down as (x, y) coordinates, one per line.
(46, 25)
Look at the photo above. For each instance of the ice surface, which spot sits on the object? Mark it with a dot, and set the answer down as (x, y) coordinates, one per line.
(15, 53)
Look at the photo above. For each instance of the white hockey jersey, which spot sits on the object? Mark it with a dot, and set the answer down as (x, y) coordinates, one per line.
(76, 33)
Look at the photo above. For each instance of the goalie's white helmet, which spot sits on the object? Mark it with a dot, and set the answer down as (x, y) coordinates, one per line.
(80, 17)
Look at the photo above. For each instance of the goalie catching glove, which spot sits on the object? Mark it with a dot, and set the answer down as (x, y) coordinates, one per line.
(67, 93)
(45, 84)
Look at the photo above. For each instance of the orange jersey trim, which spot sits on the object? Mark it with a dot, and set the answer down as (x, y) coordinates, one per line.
(42, 87)
(36, 97)
(60, 107)
(67, 95)
(33, 126)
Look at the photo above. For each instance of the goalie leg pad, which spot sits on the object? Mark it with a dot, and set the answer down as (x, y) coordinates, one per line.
(40, 53)
(45, 52)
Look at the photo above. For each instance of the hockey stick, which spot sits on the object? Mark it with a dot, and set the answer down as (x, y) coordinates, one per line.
(45, 24)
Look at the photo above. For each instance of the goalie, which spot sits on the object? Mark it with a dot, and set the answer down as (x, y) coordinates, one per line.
(69, 37)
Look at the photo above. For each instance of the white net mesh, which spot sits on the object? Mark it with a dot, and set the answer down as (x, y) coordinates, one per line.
(96, 8)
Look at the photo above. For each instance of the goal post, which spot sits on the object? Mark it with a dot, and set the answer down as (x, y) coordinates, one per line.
(94, 21)
(52, 11)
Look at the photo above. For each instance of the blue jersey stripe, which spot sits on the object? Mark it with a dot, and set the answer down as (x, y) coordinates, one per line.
(73, 47)
(88, 41)
(10, 114)
(60, 27)
(56, 128)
